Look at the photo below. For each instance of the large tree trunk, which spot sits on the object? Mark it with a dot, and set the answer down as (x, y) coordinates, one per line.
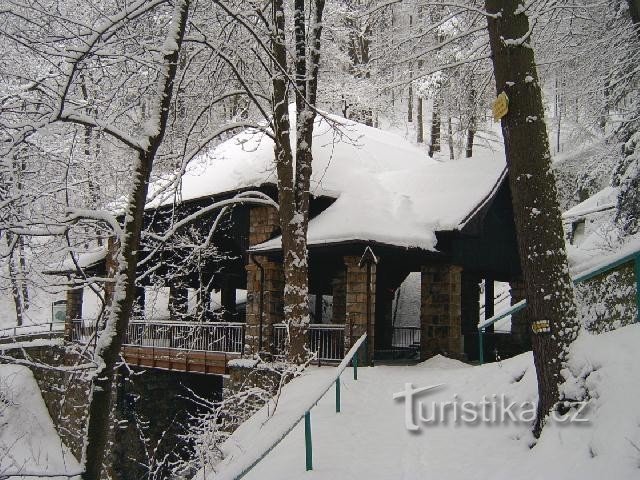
(537, 215)
(471, 128)
(420, 125)
(109, 343)
(15, 281)
(293, 181)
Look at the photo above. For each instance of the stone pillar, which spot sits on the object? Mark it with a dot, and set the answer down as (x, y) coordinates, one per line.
(74, 309)
(265, 303)
(360, 310)
(339, 291)
(440, 311)
(520, 321)
(265, 283)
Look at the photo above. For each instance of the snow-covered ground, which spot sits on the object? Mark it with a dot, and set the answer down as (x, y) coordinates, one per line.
(368, 439)
(29, 443)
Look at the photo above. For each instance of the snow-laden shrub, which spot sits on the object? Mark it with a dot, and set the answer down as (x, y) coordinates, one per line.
(627, 175)
(259, 384)
(608, 301)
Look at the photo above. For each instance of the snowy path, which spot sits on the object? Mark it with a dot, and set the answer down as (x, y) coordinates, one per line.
(368, 440)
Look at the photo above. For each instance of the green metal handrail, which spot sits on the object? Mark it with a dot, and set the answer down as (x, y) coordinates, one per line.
(583, 277)
(351, 357)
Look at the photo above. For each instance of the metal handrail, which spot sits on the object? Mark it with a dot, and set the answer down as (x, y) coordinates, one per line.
(305, 414)
(326, 339)
(583, 277)
(186, 324)
(405, 336)
(226, 336)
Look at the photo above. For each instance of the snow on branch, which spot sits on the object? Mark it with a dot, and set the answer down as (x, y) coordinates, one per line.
(244, 198)
(77, 214)
(87, 121)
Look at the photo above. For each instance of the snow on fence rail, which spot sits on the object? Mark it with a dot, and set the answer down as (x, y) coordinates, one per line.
(249, 459)
(211, 337)
(34, 329)
(608, 265)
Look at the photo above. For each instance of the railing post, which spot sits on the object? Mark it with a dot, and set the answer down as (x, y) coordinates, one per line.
(307, 440)
(481, 345)
(338, 394)
(637, 271)
(355, 366)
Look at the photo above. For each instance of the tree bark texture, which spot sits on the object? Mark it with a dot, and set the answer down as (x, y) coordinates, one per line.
(537, 215)
(434, 146)
(294, 177)
(109, 343)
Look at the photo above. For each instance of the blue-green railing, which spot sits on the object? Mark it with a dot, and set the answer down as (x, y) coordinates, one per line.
(351, 357)
(583, 277)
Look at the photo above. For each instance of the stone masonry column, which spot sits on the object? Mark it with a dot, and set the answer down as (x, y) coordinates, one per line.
(440, 316)
(339, 292)
(74, 309)
(360, 314)
(265, 284)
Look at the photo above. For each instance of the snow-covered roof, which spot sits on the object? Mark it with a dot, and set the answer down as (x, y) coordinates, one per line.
(88, 259)
(605, 199)
(387, 190)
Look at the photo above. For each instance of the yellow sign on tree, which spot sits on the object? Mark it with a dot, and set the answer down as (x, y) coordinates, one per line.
(500, 107)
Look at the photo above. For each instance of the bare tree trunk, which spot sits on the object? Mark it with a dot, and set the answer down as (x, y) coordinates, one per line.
(452, 155)
(410, 102)
(15, 283)
(537, 215)
(109, 343)
(22, 271)
(420, 125)
(471, 128)
(293, 183)
(469, 147)
(435, 127)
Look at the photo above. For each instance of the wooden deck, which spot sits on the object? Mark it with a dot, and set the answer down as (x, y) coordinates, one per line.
(193, 361)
